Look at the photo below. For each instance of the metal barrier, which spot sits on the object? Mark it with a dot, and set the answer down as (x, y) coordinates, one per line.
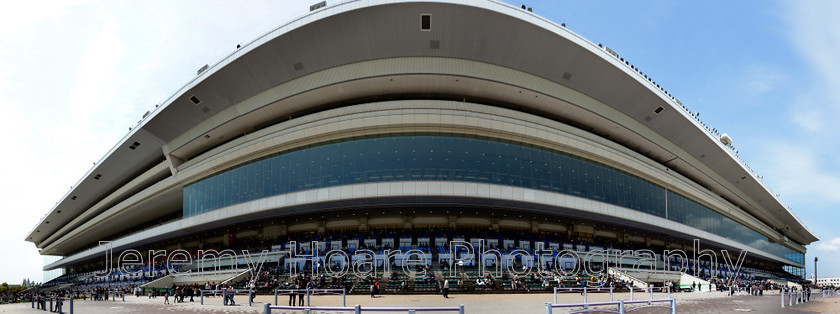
(114, 295)
(311, 292)
(58, 306)
(225, 294)
(585, 291)
(672, 306)
(359, 309)
(111, 293)
(794, 297)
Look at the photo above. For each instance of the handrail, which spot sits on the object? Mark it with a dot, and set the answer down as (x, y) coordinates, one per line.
(225, 293)
(359, 309)
(42, 303)
(585, 291)
(620, 303)
(310, 292)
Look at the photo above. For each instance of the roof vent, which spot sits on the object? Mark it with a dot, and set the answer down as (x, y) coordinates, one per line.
(612, 52)
(202, 69)
(317, 6)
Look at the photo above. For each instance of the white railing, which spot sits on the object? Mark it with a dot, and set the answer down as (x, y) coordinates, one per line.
(359, 309)
(672, 306)
(226, 293)
(311, 292)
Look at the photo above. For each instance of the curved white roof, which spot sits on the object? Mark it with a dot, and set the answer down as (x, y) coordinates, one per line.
(200, 115)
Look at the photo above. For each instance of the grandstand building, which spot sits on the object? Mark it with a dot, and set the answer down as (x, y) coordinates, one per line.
(402, 122)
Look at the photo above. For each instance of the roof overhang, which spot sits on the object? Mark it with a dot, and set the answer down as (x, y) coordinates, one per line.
(490, 32)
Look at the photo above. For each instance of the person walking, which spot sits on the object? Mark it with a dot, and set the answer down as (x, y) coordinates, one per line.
(446, 288)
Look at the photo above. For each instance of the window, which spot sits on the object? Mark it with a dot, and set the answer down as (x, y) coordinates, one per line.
(460, 158)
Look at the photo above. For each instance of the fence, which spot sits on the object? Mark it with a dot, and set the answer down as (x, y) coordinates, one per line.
(585, 291)
(114, 293)
(59, 304)
(310, 292)
(794, 297)
(358, 309)
(672, 306)
(226, 293)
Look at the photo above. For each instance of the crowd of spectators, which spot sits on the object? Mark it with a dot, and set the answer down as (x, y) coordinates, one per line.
(281, 275)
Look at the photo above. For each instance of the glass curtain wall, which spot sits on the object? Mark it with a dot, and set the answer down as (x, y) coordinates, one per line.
(448, 157)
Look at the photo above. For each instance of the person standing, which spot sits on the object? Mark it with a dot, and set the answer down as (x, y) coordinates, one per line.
(292, 294)
(372, 289)
(446, 288)
(231, 293)
(302, 293)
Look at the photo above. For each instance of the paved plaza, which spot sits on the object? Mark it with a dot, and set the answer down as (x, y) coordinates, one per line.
(706, 302)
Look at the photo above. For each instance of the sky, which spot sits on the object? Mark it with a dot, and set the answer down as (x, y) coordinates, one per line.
(75, 75)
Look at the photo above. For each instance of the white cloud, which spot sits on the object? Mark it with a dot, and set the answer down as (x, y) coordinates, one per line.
(75, 75)
(801, 172)
(760, 79)
(18, 15)
(815, 33)
(831, 246)
(808, 115)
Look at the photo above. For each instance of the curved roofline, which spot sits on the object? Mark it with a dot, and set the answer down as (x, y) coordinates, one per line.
(803, 233)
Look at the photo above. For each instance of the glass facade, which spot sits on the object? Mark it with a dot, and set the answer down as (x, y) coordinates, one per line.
(796, 271)
(688, 212)
(447, 157)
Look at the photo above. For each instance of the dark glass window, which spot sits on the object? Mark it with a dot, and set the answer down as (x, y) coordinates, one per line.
(445, 157)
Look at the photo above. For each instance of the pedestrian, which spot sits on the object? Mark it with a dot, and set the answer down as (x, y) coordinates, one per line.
(302, 293)
(292, 295)
(166, 297)
(231, 293)
(446, 288)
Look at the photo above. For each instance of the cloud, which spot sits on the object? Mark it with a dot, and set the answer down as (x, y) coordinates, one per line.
(18, 15)
(799, 158)
(94, 76)
(813, 30)
(809, 118)
(802, 172)
(830, 246)
(760, 79)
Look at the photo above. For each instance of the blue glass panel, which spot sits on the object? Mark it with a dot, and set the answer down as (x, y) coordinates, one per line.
(445, 157)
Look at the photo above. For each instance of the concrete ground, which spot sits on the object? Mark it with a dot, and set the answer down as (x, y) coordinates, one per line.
(701, 302)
